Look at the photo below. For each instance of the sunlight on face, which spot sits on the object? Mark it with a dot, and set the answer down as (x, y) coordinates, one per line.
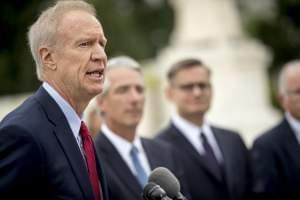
(80, 55)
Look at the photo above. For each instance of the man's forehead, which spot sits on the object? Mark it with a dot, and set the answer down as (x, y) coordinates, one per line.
(192, 72)
(77, 19)
(122, 72)
(120, 79)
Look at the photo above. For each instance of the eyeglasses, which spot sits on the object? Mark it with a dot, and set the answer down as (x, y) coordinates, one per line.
(189, 87)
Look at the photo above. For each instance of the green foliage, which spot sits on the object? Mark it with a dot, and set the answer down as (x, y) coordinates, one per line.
(133, 27)
(281, 34)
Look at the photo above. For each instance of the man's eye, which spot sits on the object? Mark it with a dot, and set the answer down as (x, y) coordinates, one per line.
(102, 44)
(84, 44)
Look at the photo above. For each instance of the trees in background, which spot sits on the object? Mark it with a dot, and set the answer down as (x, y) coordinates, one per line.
(138, 28)
(277, 25)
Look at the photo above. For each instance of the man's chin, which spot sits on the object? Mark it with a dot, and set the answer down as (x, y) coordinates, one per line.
(95, 91)
(133, 123)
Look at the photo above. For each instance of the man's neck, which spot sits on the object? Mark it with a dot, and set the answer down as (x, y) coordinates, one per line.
(195, 119)
(77, 103)
(128, 133)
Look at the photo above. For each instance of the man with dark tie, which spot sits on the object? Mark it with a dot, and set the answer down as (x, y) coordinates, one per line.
(46, 151)
(128, 158)
(276, 153)
(215, 160)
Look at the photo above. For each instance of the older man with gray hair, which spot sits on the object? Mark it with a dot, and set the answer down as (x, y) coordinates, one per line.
(275, 154)
(127, 157)
(46, 151)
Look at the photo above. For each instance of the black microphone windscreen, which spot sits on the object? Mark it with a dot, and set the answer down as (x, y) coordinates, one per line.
(153, 191)
(166, 179)
(149, 188)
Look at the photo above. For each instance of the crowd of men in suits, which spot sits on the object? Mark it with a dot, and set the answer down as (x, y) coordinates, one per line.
(46, 151)
(212, 162)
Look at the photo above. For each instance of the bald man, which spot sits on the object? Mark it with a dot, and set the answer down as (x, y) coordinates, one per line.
(275, 154)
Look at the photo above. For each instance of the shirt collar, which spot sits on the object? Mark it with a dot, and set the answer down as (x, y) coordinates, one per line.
(192, 133)
(122, 145)
(295, 125)
(189, 128)
(72, 117)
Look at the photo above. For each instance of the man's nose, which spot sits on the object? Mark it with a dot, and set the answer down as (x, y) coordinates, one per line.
(98, 53)
(136, 95)
(197, 90)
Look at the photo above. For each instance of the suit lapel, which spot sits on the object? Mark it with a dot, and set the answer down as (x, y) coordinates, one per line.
(290, 142)
(101, 176)
(117, 164)
(67, 141)
(228, 160)
(182, 142)
(151, 154)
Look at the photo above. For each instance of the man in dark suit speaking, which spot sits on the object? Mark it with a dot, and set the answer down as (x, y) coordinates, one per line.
(128, 159)
(275, 154)
(215, 160)
(45, 148)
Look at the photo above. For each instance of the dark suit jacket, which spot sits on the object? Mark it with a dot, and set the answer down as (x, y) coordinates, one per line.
(203, 183)
(122, 184)
(39, 156)
(276, 164)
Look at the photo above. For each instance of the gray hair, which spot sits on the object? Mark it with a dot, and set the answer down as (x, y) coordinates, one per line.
(283, 75)
(119, 62)
(43, 31)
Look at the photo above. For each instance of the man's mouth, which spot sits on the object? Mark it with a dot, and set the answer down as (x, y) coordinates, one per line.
(97, 74)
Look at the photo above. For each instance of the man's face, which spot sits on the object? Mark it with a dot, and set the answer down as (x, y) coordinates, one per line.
(190, 91)
(79, 56)
(123, 105)
(290, 101)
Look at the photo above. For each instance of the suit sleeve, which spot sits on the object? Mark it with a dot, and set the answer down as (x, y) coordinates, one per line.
(265, 175)
(248, 172)
(20, 162)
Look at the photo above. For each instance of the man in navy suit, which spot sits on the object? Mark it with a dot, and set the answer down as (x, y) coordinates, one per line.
(215, 160)
(45, 149)
(128, 159)
(275, 154)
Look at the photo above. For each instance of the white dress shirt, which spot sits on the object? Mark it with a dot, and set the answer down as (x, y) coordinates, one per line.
(295, 125)
(192, 133)
(123, 146)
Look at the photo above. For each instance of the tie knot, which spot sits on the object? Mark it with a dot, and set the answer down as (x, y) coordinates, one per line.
(84, 131)
(134, 150)
(202, 136)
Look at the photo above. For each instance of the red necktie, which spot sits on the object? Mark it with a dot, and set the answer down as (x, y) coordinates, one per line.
(90, 159)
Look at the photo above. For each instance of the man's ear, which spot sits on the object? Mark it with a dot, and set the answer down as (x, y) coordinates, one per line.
(47, 57)
(169, 92)
(280, 99)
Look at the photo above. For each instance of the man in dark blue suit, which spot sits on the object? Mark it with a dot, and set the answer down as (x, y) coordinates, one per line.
(215, 160)
(128, 159)
(275, 154)
(45, 149)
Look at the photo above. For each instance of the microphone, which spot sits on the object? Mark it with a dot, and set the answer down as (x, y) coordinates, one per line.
(167, 180)
(153, 191)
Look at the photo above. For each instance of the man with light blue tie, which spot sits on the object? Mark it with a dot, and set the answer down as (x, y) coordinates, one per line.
(128, 159)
